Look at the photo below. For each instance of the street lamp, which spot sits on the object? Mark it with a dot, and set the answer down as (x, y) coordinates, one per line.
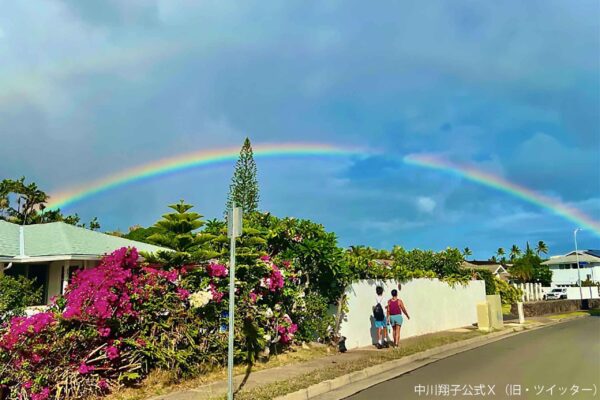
(577, 258)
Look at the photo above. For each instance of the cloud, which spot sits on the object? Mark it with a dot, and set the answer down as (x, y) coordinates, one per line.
(114, 12)
(426, 204)
(510, 90)
(544, 163)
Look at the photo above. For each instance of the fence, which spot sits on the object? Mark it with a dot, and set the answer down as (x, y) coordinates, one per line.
(432, 305)
(536, 292)
(531, 291)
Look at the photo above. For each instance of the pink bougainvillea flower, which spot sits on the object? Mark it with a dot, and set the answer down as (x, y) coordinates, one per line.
(104, 332)
(182, 293)
(216, 270)
(141, 342)
(293, 328)
(265, 258)
(112, 352)
(35, 358)
(85, 369)
(21, 327)
(103, 384)
(253, 297)
(276, 279)
(216, 295)
(43, 395)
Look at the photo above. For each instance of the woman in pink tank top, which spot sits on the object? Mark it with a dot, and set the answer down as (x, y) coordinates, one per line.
(395, 308)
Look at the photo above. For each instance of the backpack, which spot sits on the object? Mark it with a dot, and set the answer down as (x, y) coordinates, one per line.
(378, 312)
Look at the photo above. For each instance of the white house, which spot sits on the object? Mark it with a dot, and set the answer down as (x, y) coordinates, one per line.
(51, 253)
(566, 273)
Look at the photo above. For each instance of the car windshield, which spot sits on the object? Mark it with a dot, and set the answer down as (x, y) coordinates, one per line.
(557, 290)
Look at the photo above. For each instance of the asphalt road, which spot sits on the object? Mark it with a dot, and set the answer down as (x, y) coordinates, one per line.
(549, 363)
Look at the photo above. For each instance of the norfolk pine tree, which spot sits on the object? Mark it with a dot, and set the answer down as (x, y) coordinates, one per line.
(244, 184)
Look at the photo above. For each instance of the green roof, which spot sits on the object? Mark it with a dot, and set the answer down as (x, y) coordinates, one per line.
(60, 239)
(9, 239)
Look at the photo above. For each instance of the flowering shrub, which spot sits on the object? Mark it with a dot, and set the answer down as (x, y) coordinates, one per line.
(99, 334)
(118, 321)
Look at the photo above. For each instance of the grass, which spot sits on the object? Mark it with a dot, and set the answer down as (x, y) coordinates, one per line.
(410, 346)
(593, 312)
(161, 382)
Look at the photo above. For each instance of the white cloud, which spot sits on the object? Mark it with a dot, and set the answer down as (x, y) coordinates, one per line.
(426, 204)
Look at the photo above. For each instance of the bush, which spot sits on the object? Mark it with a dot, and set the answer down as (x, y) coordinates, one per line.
(485, 275)
(15, 295)
(508, 294)
(120, 320)
(315, 321)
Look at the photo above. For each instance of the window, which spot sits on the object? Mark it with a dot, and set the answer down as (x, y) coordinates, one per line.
(67, 275)
(35, 272)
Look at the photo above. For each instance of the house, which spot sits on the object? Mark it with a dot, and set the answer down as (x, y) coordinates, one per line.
(52, 252)
(565, 272)
(496, 269)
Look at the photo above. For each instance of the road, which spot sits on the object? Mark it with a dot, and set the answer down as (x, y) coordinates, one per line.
(565, 355)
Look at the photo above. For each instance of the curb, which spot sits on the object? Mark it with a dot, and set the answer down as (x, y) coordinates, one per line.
(423, 358)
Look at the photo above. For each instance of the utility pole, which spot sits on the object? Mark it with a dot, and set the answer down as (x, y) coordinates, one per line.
(578, 267)
(234, 230)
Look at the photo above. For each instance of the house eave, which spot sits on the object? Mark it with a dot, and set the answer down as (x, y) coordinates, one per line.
(41, 259)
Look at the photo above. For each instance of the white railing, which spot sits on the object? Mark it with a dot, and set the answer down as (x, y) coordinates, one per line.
(531, 291)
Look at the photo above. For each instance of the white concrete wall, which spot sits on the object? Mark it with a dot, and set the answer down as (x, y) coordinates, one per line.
(586, 293)
(432, 305)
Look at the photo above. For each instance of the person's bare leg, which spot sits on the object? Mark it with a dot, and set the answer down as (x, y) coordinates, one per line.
(397, 338)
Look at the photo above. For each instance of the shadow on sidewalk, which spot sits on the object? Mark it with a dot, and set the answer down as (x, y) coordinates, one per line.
(246, 376)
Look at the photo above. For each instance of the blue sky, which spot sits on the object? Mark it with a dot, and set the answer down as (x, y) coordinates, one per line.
(91, 88)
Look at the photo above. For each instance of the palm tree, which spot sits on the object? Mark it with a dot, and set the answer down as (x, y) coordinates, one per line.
(500, 254)
(467, 252)
(515, 252)
(541, 248)
(357, 250)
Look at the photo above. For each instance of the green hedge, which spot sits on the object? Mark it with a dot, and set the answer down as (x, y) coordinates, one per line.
(16, 294)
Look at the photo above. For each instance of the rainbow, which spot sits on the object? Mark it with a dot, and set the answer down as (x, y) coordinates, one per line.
(470, 173)
(192, 160)
(205, 158)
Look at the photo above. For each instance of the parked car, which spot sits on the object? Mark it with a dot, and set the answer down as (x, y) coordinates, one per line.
(556, 293)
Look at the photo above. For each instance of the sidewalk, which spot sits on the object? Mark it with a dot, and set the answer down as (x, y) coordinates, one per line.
(265, 376)
(273, 382)
(336, 360)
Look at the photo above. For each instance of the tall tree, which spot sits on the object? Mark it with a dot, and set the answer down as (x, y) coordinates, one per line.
(541, 248)
(177, 231)
(515, 252)
(25, 204)
(244, 184)
(500, 255)
(467, 252)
